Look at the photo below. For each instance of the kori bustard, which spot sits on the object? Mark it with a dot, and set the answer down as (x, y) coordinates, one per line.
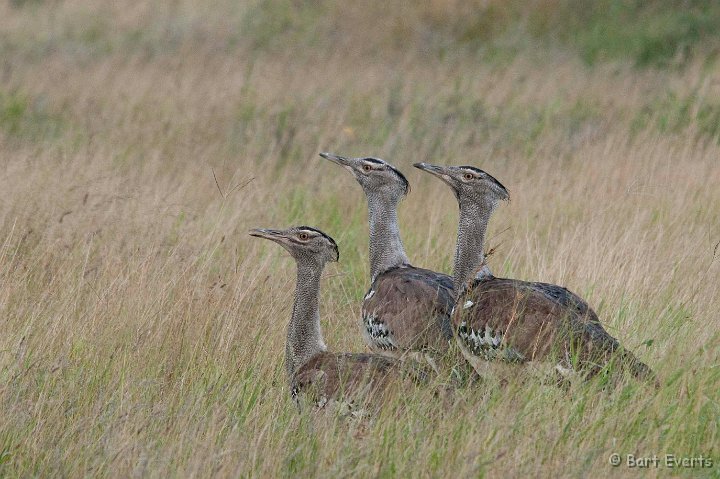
(513, 320)
(406, 311)
(312, 370)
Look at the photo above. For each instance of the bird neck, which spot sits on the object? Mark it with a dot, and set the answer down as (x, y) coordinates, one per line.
(304, 337)
(470, 253)
(386, 247)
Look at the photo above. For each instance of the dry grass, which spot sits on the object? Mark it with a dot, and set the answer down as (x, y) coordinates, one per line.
(143, 330)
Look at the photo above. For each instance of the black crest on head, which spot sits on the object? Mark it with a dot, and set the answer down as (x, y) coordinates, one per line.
(403, 180)
(327, 237)
(488, 176)
(401, 177)
(377, 161)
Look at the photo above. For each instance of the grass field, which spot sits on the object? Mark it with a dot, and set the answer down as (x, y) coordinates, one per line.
(142, 330)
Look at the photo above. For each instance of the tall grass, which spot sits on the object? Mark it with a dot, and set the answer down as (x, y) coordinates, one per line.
(143, 330)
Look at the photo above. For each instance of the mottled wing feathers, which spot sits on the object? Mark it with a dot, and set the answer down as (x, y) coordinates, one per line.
(533, 320)
(563, 297)
(348, 376)
(408, 308)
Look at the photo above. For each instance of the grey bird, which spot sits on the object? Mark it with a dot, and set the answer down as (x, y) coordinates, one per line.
(312, 370)
(513, 320)
(406, 311)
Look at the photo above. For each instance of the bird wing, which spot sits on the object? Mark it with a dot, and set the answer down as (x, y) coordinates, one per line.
(408, 308)
(531, 320)
(351, 377)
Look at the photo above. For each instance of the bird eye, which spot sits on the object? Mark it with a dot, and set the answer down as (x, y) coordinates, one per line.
(468, 176)
(367, 168)
(303, 236)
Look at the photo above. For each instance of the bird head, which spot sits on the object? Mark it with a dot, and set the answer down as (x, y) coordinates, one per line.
(377, 177)
(469, 184)
(303, 243)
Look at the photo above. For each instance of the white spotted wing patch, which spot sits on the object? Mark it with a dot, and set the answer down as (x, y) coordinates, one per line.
(377, 332)
(487, 344)
(369, 294)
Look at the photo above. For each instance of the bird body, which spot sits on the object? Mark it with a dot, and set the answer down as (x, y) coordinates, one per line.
(312, 370)
(520, 321)
(327, 376)
(516, 321)
(407, 309)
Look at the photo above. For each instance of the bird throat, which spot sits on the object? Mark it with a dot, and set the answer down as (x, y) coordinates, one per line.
(304, 337)
(386, 247)
(469, 253)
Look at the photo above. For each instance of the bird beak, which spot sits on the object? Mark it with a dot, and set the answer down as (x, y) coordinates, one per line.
(273, 235)
(338, 160)
(439, 171)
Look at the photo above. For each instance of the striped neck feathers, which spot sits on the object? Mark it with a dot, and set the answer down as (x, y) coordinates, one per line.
(386, 247)
(304, 337)
(470, 253)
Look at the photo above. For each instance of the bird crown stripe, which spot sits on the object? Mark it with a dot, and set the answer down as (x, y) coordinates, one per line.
(489, 176)
(324, 235)
(377, 161)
